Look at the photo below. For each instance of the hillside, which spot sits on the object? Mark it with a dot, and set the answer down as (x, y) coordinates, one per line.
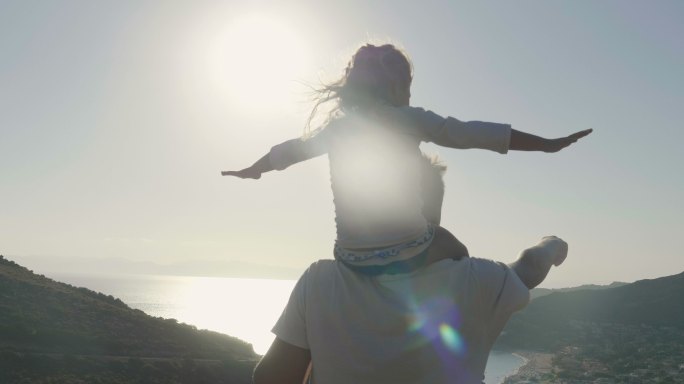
(540, 292)
(548, 321)
(632, 333)
(73, 331)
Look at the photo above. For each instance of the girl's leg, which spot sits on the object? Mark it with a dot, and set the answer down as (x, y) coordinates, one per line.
(445, 246)
(432, 188)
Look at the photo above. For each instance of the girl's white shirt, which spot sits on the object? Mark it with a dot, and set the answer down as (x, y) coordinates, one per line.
(375, 168)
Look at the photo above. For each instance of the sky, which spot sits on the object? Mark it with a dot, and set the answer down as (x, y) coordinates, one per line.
(116, 119)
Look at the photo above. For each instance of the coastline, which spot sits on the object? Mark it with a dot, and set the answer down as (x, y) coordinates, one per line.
(536, 366)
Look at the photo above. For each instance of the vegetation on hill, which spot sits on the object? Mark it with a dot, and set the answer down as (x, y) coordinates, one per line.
(629, 333)
(51, 330)
(540, 292)
(548, 322)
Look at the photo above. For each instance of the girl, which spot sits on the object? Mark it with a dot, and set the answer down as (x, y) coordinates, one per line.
(372, 139)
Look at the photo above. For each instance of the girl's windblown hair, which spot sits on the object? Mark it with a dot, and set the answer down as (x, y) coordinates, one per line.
(374, 74)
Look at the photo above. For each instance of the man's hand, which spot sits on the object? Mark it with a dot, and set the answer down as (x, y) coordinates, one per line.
(535, 262)
(247, 173)
(555, 145)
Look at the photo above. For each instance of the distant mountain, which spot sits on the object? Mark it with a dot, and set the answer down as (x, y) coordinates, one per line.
(59, 330)
(207, 268)
(540, 292)
(569, 318)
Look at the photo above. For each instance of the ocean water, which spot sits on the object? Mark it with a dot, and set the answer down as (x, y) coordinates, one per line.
(244, 308)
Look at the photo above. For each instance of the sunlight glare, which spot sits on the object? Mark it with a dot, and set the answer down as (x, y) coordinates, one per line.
(251, 306)
(263, 58)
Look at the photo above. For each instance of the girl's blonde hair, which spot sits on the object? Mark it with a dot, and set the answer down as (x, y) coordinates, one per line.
(371, 76)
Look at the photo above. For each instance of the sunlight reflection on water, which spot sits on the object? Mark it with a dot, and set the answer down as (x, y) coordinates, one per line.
(244, 308)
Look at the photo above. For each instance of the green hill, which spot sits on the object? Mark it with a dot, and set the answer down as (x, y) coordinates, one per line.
(54, 332)
(569, 318)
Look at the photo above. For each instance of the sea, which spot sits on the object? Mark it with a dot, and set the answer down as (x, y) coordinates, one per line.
(244, 308)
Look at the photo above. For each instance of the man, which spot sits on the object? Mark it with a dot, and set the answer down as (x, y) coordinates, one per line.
(435, 325)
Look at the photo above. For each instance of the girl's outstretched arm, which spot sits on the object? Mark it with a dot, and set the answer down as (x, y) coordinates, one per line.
(254, 171)
(521, 141)
(283, 155)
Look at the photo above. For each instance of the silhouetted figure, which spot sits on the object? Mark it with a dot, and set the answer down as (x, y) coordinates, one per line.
(401, 303)
(435, 325)
(372, 140)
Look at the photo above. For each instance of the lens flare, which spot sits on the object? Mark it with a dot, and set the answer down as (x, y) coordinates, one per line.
(438, 321)
(451, 338)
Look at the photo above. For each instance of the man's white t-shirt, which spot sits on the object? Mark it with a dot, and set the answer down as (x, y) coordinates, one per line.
(435, 325)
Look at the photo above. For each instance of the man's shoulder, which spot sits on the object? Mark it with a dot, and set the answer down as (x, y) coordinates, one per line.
(487, 266)
(478, 265)
(469, 265)
(323, 263)
(478, 272)
(322, 270)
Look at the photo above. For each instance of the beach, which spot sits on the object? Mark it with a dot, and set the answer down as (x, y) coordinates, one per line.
(537, 368)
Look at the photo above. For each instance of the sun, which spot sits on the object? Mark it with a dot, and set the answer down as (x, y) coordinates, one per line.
(263, 62)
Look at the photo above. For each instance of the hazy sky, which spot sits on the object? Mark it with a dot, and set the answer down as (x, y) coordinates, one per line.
(117, 117)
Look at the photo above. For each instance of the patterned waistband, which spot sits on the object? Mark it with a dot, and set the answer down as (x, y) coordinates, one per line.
(399, 255)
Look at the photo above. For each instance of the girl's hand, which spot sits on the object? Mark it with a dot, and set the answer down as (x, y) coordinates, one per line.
(247, 173)
(555, 145)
